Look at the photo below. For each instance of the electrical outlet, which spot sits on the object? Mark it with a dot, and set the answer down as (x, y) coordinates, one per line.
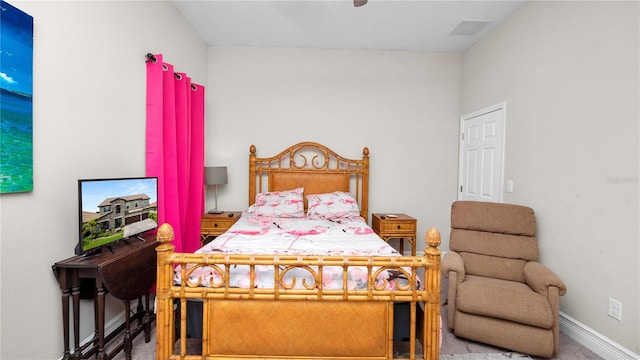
(615, 309)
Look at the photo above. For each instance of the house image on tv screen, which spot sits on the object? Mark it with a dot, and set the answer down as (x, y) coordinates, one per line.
(125, 216)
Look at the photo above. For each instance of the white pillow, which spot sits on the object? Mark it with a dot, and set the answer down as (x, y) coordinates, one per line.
(286, 204)
(335, 205)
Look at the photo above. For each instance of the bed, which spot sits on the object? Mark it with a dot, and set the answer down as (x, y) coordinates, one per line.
(269, 291)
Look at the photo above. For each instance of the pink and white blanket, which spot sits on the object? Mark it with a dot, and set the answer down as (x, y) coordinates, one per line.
(261, 235)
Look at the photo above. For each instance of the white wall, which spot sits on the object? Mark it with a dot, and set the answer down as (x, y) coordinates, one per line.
(569, 74)
(89, 121)
(403, 106)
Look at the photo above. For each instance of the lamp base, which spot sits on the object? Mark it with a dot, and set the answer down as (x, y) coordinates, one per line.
(213, 211)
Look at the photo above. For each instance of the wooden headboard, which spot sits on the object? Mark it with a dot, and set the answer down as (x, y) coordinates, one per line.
(313, 166)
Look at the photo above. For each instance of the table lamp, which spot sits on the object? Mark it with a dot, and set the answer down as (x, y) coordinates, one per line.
(215, 175)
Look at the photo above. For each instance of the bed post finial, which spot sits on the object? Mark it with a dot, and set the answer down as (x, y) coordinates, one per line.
(364, 205)
(432, 238)
(252, 174)
(165, 233)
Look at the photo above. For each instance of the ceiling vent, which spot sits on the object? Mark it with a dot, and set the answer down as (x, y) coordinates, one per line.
(470, 27)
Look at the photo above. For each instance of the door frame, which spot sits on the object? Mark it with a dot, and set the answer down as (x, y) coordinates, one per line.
(500, 106)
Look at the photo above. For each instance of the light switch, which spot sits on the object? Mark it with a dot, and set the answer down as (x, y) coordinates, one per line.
(509, 186)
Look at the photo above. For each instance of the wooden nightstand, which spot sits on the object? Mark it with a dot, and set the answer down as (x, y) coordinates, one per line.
(396, 226)
(212, 225)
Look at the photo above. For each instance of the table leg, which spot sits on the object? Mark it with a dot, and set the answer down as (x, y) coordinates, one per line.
(96, 321)
(101, 351)
(413, 240)
(139, 310)
(127, 329)
(147, 319)
(65, 322)
(75, 295)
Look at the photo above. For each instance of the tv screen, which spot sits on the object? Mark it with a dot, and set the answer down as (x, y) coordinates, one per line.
(112, 210)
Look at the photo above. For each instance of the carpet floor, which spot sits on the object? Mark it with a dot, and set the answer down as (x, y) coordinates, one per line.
(486, 356)
(451, 345)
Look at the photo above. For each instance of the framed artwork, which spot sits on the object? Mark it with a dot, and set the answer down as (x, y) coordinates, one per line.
(16, 100)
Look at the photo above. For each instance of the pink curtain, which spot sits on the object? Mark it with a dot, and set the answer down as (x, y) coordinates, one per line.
(175, 150)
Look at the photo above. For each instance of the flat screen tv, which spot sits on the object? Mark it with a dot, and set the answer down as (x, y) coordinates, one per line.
(112, 210)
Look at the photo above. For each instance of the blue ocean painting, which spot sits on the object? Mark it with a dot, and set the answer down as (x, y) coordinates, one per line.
(16, 100)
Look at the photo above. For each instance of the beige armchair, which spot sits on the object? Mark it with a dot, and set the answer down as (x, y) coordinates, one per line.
(498, 292)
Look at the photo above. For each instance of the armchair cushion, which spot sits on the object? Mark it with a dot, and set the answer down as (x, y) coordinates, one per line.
(506, 334)
(504, 219)
(493, 266)
(495, 240)
(502, 299)
(503, 245)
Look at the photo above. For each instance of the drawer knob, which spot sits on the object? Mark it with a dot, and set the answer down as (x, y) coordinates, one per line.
(215, 225)
(398, 227)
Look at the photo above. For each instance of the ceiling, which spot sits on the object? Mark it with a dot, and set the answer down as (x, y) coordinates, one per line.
(415, 25)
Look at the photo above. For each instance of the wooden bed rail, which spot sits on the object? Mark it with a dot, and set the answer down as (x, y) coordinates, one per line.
(426, 268)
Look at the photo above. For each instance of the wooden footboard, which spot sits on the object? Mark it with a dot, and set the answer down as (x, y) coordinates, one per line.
(294, 322)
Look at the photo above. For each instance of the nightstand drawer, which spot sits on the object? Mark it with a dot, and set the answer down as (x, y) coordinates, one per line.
(208, 225)
(216, 224)
(391, 226)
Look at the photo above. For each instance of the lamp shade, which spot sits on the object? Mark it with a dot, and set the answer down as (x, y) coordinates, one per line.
(215, 175)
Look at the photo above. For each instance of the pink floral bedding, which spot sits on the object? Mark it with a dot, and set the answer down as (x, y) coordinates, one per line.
(253, 234)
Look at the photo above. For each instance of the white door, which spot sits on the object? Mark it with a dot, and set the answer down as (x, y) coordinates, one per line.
(482, 154)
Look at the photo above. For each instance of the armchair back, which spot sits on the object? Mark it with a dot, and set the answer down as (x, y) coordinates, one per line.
(495, 240)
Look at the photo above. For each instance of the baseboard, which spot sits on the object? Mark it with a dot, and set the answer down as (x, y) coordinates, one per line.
(594, 341)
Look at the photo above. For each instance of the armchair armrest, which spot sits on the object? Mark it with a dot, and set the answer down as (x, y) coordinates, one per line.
(452, 267)
(452, 261)
(540, 278)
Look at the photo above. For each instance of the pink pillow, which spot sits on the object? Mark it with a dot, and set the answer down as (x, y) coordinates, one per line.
(335, 205)
(286, 204)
